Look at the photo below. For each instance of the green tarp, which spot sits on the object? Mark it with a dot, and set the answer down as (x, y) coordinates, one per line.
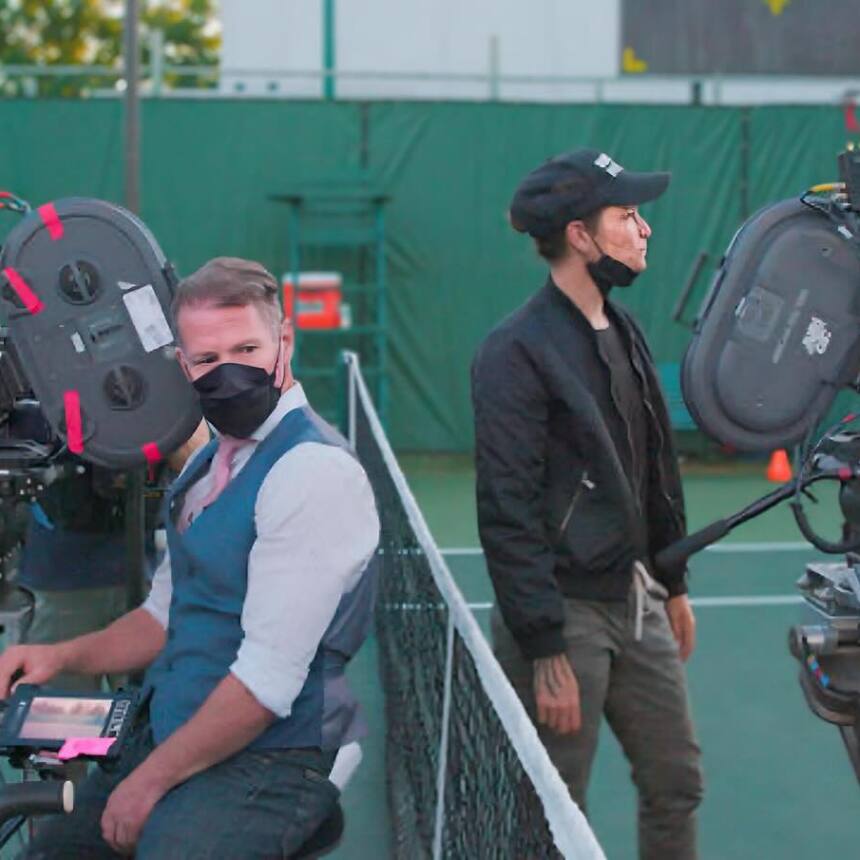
(455, 266)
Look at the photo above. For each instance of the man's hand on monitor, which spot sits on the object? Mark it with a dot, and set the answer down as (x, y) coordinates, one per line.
(29, 664)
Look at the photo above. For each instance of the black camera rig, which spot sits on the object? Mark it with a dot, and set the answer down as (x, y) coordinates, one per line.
(88, 374)
(777, 337)
(89, 385)
(85, 292)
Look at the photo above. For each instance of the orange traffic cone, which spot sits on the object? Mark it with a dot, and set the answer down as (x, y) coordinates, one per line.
(779, 467)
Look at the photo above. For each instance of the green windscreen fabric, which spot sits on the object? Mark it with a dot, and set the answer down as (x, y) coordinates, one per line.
(62, 148)
(792, 149)
(207, 167)
(455, 266)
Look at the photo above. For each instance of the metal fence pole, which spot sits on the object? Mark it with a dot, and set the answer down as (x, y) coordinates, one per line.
(134, 507)
(132, 107)
(156, 61)
(329, 27)
(494, 68)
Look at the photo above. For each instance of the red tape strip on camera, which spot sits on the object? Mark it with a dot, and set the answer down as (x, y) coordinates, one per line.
(31, 301)
(74, 424)
(49, 216)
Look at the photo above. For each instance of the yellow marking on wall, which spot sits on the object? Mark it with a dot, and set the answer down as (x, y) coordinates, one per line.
(776, 6)
(631, 63)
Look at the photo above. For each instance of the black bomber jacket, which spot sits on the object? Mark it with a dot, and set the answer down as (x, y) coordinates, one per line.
(556, 511)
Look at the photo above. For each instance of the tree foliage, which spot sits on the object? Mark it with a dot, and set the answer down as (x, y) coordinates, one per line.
(90, 32)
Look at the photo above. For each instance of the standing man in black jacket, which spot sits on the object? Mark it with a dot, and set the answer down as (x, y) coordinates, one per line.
(578, 490)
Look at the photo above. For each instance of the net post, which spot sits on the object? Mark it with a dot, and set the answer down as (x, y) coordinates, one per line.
(443, 741)
(351, 370)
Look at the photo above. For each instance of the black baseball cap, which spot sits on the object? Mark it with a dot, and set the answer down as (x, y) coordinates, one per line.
(575, 184)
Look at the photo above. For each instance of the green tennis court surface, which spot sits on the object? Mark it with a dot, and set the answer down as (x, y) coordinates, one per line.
(778, 783)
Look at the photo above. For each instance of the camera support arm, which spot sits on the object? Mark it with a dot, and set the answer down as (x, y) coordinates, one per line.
(677, 553)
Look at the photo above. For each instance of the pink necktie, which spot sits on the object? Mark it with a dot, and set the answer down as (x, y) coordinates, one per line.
(221, 464)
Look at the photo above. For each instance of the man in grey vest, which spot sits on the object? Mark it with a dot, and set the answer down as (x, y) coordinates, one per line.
(264, 595)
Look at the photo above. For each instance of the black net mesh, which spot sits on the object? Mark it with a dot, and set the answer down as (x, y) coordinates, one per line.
(491, 807)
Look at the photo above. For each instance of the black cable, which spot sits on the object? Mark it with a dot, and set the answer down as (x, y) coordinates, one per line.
(14, 203)
(796, 504)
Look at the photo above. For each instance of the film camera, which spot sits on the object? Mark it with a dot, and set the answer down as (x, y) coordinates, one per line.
(89, 385)
(776, 338)
(88, 376)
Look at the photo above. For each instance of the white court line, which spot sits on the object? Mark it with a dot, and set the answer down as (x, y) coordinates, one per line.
(753, 546)
(710, 602)
(752, 600)
(700, 602)
(764, 546)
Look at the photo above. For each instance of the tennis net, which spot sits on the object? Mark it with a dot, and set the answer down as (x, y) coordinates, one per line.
(467, 774)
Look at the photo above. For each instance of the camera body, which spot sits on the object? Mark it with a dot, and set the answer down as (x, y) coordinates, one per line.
(85, 292)
(776, 338)
(849, 175)
(89, 382)
(784, 301)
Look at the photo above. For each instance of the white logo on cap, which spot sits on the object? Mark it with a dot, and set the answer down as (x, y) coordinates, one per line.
(613, 168)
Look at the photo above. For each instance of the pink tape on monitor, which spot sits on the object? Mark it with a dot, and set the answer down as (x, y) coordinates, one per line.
(73, 747)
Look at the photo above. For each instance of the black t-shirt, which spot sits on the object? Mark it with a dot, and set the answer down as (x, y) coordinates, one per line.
(630, 434)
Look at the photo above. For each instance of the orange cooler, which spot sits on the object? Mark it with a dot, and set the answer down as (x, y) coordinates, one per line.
(317, 300)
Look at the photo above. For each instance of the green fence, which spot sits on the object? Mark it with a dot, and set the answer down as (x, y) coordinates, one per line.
(455, 266)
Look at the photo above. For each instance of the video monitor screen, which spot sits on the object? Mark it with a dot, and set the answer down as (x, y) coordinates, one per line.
(67, 717)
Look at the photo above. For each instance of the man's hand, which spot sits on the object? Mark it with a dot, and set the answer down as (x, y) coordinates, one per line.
(33, 664)
(128, 809)
(557, 694)
(229, 719)
(683, 624)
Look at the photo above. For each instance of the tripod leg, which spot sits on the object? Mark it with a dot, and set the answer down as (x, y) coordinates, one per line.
(852, 745)
(10, 827)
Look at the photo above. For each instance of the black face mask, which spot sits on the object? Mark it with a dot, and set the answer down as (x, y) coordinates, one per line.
(237, 398)
(608, 272)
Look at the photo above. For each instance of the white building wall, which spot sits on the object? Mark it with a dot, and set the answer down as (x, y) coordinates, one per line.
(418, 48)
(262, 39)
(519, 50)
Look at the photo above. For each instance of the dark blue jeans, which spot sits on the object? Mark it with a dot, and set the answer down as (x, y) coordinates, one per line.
(256, 804)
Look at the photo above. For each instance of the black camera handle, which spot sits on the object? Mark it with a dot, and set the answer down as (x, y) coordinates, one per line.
(18, 802)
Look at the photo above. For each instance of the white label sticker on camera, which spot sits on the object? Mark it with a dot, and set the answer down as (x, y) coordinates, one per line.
(149, 321)
(817, 337)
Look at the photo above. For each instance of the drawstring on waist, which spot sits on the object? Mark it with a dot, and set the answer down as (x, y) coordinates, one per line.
(643, 585)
